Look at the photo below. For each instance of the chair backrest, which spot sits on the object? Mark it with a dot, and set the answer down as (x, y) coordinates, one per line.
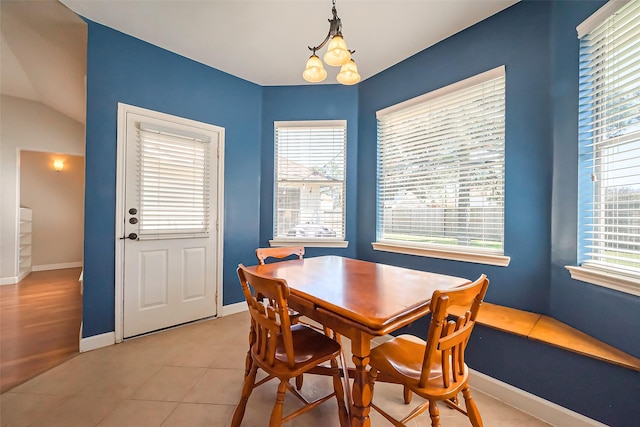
(267, 301)
(283, 252)
(447, 339)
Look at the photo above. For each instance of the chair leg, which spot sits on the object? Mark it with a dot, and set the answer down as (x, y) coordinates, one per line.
(299, 380)
(472, 409)
(372, 377)
(247, 388)
(339, 391)
(276, 413)
(434, 412)
(248, 363)
(407, 394)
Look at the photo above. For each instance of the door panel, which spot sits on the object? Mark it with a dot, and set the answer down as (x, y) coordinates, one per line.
(169, 274)
(194, 273)
(152, 279)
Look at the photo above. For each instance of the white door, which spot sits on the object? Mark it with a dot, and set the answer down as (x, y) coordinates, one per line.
(170, 224)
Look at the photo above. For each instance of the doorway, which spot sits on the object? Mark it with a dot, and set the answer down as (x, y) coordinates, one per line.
(52, 211)
(168, 221)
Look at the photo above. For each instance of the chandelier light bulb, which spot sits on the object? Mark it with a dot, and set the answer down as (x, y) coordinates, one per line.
(348, 74)
(337, 52)
(314, 72)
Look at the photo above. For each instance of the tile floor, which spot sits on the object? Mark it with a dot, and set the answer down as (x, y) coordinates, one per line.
(189, 376)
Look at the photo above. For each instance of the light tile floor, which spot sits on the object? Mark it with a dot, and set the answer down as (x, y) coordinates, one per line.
(186, 377)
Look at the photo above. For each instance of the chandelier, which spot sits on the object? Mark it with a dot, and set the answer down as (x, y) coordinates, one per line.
(337, 55)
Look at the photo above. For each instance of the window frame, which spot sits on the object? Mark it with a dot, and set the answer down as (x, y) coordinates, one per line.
(435, 250)
(332, 242)
(589, 269)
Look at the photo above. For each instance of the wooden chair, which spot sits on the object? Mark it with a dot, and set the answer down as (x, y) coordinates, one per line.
(283, 252)
(263, 253)
(282, 350)
(435, 369)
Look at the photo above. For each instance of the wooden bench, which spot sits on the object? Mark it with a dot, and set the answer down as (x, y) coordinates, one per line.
(550, 331)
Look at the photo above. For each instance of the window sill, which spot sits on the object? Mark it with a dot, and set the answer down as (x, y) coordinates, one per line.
(609, 280)
(309, 243)
(477, 257)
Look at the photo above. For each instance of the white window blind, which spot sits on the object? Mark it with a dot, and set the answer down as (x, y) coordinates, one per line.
(609, 141)
(441, 167)
(173, 182)
(309, 180)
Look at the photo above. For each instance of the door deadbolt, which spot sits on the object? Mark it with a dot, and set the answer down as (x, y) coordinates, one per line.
(133, 220)
(133, 211)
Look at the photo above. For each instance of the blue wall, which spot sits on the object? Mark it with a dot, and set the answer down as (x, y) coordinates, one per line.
(599, 390)
(497, 41)
(603, 313)
(537, 42)
(124, 69)
(319, 102)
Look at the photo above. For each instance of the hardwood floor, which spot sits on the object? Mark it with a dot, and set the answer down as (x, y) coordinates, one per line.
(39, 324)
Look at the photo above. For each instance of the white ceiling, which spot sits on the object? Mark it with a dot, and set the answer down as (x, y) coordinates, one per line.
(43, 43)
(265, 41)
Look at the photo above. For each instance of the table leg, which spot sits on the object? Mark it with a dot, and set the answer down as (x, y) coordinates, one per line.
(361, 348)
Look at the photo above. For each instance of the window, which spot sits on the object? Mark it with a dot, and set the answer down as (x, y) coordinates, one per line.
(441, 172)
(609, 147)
(173, 181)
(309, 182)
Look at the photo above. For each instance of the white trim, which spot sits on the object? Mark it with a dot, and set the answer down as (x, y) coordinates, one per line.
(542, 409)
(310, 123)
(59, 266)
(599, 16)
(16, 230)
(238, 307)
(462, 84)
(220, 219)
(10, 280)
(309, 243)
(606, 279)
(477, 257)
(97, 341)
(123, 110)
(119, 244)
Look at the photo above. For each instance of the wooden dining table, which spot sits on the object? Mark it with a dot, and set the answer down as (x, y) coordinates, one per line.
(359, 300)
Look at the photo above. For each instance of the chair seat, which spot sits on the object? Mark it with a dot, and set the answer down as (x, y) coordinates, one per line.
(311, 348)
(402, 358)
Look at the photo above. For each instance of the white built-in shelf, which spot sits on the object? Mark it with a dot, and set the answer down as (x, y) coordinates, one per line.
(25, 247)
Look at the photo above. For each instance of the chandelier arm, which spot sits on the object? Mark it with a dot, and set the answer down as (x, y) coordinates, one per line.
(321, 45)
(335, 29)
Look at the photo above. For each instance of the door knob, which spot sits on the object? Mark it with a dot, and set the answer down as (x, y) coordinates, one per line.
(132, 236)
(133, 220)
(133, 211)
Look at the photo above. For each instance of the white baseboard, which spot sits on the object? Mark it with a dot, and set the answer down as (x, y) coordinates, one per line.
(230, 309)
(542, 409)
(11, 280)
(97, 341)
(60, 266)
